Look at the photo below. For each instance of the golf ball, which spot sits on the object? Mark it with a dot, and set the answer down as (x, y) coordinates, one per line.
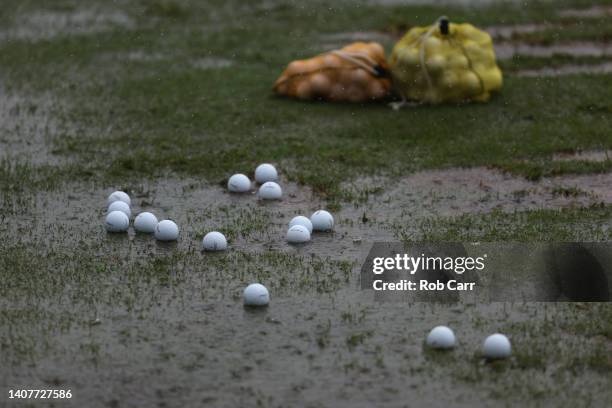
(441, 337)
(239, 183)
(298, 234)
(256, 294)
(118, 196)
(214, 241)
(117, 221)
(265, 172)
(120, 206)
(322, 221)
(497, 346)
(270, 191)
(166, 230)
(145, 222)
(301, 220)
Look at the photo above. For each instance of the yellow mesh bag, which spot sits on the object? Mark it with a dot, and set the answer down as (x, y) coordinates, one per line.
(355, 73)
(445, 62)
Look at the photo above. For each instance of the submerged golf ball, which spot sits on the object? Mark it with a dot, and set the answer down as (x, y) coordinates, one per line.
(441, 337)
(214, 241)
(256, 294)
(120, 206)
(239, 183)
(270, 191)
(301, 220)
(265, 172)
(118, 196)
(117, 221)
(322, 221)
(166, 230)
(298, 234)
(145, 222)
(497, 346)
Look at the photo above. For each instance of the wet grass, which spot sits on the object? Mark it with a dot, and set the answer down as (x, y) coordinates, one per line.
(170, 115)
(580, 224)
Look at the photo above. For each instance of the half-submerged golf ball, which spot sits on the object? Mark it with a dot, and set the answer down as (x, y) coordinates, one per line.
(166, 230)
(239, 183)
(270, 191)
(441, 337)
(322, 221)
(120, 206)
(145, 222)
(214, 241)
(265, 172)
(497, 346)
(118, 196)
(117, 221)
(301, 220)
(256, 294)
(298, 234)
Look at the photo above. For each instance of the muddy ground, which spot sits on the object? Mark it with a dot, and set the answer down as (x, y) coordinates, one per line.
(124, 321)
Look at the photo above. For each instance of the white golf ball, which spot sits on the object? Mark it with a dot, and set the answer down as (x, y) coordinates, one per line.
(441, 337)
(214, 241)
(118, 196)
(166, 230)
(298, 234)
(117, 221)
(265, 172)
(145, 222)
(256, 294)
(239, 183)
(120, 206)
(322, 221)
(301, 220)
(497, 346)
(270, 191)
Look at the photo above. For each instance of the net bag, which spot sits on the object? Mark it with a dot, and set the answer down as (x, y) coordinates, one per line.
(355, 73)
(445, 62)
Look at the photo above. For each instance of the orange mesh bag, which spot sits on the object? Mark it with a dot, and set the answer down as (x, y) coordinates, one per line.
(355, 73)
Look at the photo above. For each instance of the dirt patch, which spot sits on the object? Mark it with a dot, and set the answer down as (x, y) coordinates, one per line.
(48, 24)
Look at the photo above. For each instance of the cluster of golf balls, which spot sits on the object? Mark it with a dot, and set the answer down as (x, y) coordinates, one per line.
(265, 175)
(495, 346)
(119, 213)
(118, 220)
(301, 227)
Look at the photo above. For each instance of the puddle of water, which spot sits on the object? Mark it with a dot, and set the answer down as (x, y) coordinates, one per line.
(306, 347)
(589, 155)
(604, 68)
(454, 192)
(48, 24)
(597, 185)
(354, 36)
(507, 32)
(212, 63)
(596, 11)
(507, 50)
(27, 127)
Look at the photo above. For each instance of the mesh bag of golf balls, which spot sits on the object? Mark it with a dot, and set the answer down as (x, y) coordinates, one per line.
(445, 62)
(355, 73)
